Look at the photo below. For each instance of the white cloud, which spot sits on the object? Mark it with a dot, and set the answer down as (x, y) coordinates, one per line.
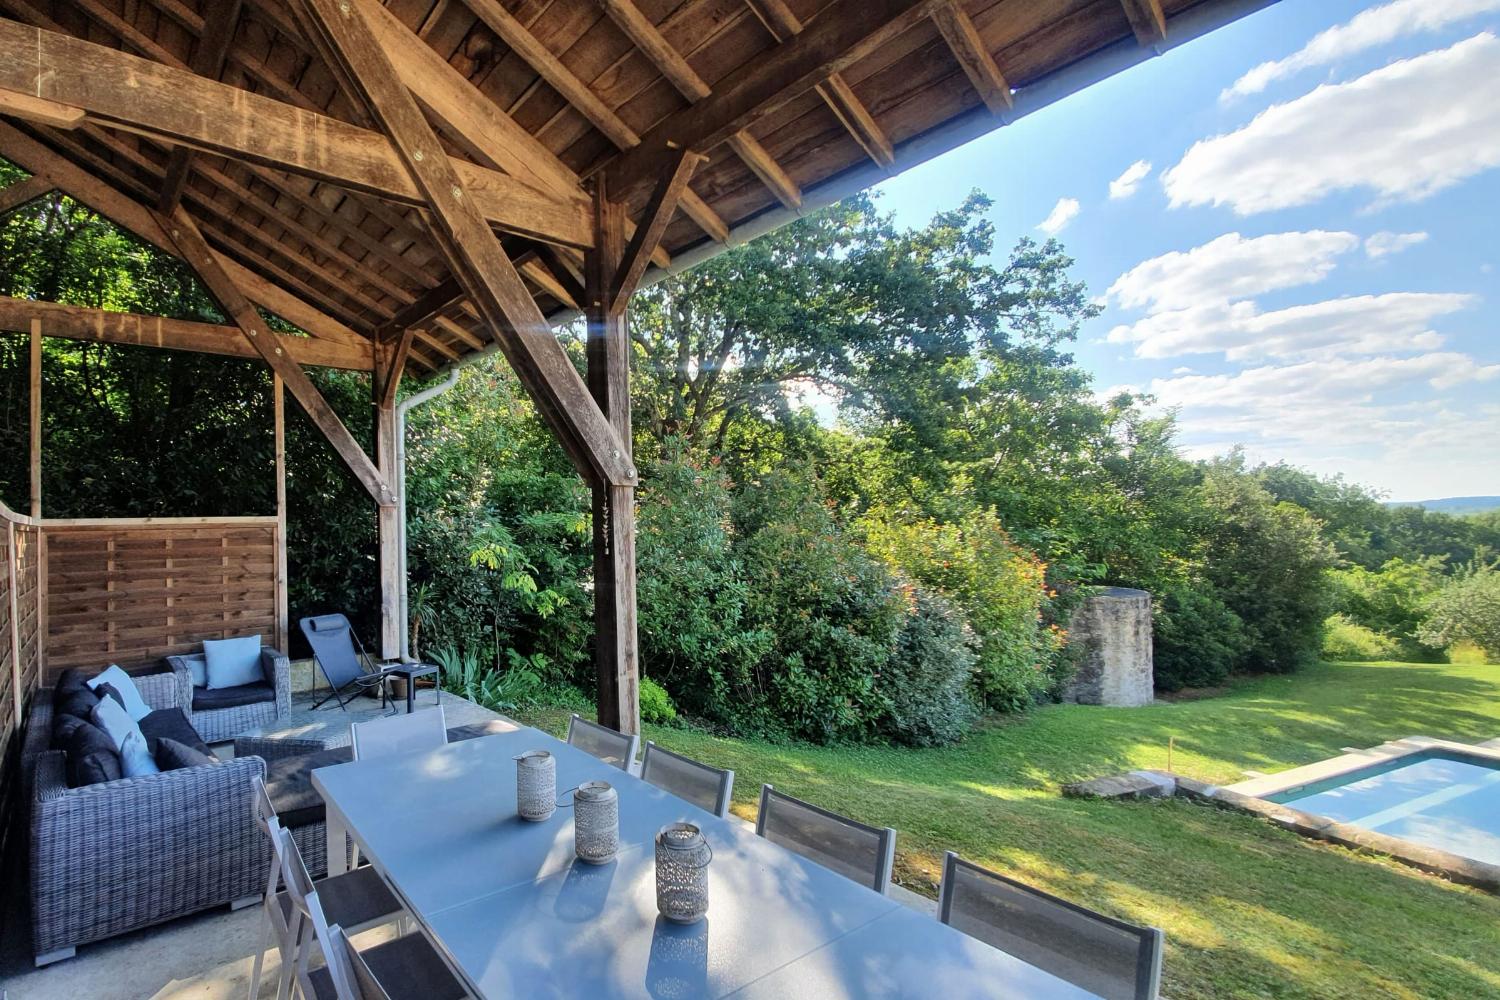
(1404, 131)
(1125, 185)
(1366, 30)
(1397, 322)
(1064, 212)
(1230, 267)
(1385, 243)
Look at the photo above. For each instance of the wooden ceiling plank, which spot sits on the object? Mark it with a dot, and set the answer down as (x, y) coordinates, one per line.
(978, 65)
(1147, 20)
(192, 247)
(132, 215)
(835, 91)
(843, 33)
(173, 103)
(133, 329)
(653, 224)
(476, 256)
(214, 40)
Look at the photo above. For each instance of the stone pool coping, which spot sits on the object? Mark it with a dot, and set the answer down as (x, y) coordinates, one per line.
(1245, 796)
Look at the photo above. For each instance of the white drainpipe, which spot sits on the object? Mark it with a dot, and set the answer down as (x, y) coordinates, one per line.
(414, 400)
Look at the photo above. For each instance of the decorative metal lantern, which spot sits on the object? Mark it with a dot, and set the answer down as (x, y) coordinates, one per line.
(536, 785)
(596, 822)
(682, 857)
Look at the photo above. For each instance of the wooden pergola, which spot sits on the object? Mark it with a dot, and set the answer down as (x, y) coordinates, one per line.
(418, 182)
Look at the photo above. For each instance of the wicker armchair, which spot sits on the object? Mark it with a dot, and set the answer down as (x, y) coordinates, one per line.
(121, 855)
(217, 725)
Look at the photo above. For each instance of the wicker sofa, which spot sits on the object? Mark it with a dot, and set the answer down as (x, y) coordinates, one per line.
(120, 855)
(224, 713)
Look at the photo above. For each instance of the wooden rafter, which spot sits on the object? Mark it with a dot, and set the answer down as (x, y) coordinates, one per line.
(19, 193)
(138, 219)
(562, 272)
(835, 91)
(844, 32)
(131, 329)
(653, 224)
(475, 254)
(978, 65)
(208, 60)
(671, 64)
(1147, 20)
(433, 303)
(183, 231)
(180, 107)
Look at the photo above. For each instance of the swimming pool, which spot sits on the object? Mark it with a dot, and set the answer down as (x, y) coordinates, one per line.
(1439, 798)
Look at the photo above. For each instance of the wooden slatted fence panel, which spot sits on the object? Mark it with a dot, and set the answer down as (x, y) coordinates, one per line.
(21, 617)
(131, 593)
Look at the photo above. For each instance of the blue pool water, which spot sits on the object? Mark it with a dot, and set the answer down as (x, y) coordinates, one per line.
(1438, 799)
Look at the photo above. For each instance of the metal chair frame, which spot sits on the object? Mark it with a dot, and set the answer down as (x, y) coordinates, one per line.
(378, 673)
(579, 722)
(725, 775)
(1149, 959)
(886, 844)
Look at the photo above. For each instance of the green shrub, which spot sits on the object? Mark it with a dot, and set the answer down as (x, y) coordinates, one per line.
(656, 704)
(999, 586)
(927, 683)
(1466, 609)
(1391, 601)
(1347, 640)
(1197, 640)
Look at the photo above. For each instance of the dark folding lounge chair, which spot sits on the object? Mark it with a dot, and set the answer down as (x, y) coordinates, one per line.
(333, 644)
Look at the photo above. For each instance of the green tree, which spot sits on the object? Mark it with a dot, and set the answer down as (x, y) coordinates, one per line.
(1467, 608)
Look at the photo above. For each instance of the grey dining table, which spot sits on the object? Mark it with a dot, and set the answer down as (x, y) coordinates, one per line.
(515, 914)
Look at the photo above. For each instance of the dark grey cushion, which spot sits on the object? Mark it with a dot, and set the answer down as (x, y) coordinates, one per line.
(289, 783)
(68, 681)
(108, 691)
(207, 699)
(171, 755)
(172, 724)
(78, 703)
(91, 754)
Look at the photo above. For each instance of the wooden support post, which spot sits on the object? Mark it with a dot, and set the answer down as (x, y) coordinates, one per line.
(278, 406)
(608, 350)
(36, 418)
(386, 375)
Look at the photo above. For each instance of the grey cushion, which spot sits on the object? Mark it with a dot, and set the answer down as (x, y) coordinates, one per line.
(206, 699)
(70, 680)
(130, 696)
(289, 783)
(172, 724)
(171, 755)
(109, 691)
(233, 662)
(125, 733)
(79, 703)
(91, 755)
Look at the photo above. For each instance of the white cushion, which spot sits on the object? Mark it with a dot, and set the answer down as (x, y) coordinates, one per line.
(135, 705)
(233, 662)
(135, 757)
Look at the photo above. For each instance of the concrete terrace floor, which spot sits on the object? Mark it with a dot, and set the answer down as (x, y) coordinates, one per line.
(208, 955)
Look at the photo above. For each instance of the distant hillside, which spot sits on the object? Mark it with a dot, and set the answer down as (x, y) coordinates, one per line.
(1454, 505)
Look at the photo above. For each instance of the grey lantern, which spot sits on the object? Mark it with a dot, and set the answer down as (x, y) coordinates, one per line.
(682, 857)
(596, 822)
(536, 785)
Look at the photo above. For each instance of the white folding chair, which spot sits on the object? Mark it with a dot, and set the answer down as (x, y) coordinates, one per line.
(359, 899)
(707, 787)
(856, 851)
(1110, 958)
(406, 968)
(399, 734)
(614, 748)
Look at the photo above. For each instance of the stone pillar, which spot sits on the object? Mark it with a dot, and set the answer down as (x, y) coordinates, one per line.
(1112, 628)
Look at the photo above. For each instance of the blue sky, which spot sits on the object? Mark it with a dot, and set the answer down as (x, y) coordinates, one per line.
(1351, 324)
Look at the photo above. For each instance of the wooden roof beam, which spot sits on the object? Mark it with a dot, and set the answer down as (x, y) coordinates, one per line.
(835, 91)
(843, 33)
(671, 64)
(1147, 20)
(208, 61)
(430, 305)
(477, 258)
(577, 93)
(134, 330)
(15, 195)
(180, 107)
(978, 65)
(131, 214)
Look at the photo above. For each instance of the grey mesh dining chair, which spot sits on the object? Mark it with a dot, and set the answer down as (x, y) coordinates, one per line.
(704, 786)
(856, 851)
(614, 748)
(407, 967)
(1110, 958)
(390, 735)
(357, 899)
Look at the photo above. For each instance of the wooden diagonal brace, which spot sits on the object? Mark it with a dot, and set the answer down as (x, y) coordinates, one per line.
(475, 255)
(664, 202)
(200, 257)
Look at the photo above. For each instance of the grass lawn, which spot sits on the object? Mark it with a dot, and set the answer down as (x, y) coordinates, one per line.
(1249, 910)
